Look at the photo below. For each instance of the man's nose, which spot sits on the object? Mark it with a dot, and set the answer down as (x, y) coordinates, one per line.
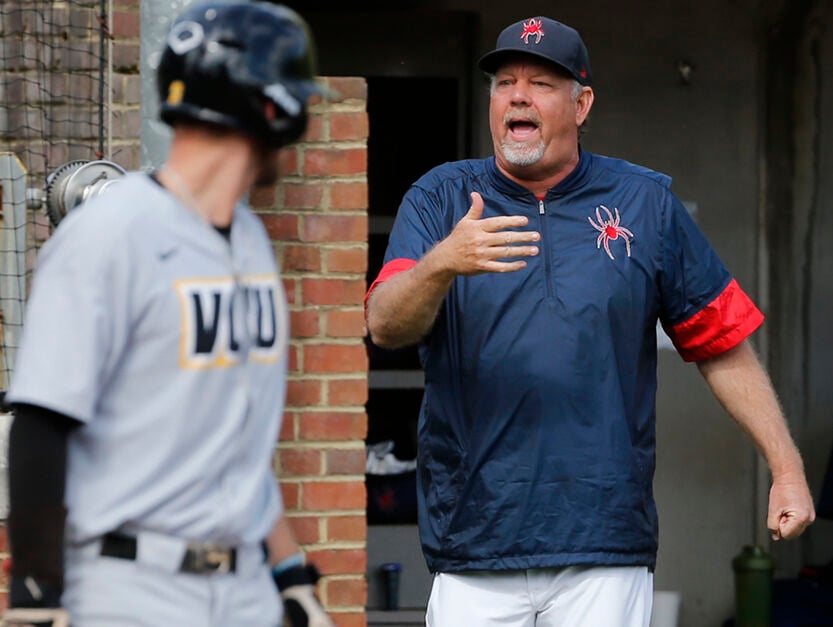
(520, 93)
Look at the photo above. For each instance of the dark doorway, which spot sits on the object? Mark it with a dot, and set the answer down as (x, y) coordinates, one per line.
(413, 127)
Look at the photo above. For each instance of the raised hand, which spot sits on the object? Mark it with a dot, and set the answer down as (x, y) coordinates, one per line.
(478, 244)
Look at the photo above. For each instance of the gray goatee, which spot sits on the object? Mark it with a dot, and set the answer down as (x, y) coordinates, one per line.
(520, 153)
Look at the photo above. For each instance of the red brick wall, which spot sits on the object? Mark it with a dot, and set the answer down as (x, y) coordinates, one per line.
(317, 216)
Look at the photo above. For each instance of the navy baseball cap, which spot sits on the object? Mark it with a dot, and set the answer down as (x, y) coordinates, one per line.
(543, 38)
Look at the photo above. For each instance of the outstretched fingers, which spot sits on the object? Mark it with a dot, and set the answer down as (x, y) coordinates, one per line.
(504, 244)
(478, 244)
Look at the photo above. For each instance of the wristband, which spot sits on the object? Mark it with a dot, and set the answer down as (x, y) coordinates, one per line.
(288, 563)
(296, 576)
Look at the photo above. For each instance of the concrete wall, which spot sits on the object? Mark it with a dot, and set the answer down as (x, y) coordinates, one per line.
(713, 135)
(815, 136)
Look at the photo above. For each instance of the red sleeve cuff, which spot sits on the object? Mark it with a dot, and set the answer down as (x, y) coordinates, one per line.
(722, 324)
(391, 268)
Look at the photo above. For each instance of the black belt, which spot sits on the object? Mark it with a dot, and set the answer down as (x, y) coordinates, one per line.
(201, 559)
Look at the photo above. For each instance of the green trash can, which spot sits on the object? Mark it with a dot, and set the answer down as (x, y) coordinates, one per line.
(753, 568)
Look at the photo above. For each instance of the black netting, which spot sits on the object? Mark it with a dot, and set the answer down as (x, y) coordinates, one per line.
(54, 91)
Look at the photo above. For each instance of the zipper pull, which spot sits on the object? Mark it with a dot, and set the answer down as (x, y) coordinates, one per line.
(540, 207)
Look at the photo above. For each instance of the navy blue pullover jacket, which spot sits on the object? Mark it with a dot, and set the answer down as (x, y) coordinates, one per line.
(536, 432)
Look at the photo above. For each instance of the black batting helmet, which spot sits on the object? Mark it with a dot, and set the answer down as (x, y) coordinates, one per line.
(223, 61)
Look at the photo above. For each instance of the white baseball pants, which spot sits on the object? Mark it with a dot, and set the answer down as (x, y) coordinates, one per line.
(149, 592)
(553, 597)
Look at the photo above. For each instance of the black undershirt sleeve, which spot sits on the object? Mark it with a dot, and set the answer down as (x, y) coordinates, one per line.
(37, 481)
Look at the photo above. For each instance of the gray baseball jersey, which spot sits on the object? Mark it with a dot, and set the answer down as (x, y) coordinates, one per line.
(169, 343)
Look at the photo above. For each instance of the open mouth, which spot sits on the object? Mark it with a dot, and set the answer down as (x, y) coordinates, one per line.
(520, 128)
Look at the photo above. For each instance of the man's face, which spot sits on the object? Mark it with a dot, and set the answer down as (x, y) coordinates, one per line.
(534, 116)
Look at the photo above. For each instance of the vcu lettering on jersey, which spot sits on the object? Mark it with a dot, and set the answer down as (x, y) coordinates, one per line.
(224, 322)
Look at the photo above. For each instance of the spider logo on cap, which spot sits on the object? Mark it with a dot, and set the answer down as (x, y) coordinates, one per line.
(532, 27)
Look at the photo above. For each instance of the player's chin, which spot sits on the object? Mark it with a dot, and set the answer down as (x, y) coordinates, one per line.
(265, 181)
(267, 175)
(267, 163)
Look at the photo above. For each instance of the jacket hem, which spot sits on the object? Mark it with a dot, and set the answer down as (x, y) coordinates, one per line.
(445, 564)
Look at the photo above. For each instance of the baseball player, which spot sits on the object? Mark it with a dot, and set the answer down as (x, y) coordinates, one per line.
(150, 383)
(541, 273)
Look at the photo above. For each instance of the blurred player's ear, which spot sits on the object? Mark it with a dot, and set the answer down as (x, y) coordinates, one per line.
(270, 112)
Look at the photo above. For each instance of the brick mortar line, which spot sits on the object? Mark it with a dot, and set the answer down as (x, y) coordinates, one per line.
(328, 377)
(332, 144)
(335, 445)
(300, 479)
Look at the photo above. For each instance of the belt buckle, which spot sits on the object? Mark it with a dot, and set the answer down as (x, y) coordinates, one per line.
(212, 558)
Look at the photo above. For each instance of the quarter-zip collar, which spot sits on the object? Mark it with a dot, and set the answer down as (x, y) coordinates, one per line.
(572, 181)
